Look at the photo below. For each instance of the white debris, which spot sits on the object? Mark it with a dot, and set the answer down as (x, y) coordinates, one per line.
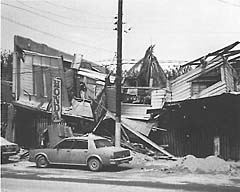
(211, 164)
(189, 163)
(140, 159)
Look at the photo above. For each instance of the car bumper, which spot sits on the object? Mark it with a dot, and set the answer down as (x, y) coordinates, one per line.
(120, 160)
(9, 153)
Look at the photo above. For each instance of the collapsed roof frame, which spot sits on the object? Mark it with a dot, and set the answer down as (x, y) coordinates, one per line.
(225, 52)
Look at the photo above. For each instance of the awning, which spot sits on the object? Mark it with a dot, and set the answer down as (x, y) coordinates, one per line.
(78, 110)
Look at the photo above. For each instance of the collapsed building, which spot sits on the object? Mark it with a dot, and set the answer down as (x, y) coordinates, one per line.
(201, 114)
(196, 113)
(35, 66)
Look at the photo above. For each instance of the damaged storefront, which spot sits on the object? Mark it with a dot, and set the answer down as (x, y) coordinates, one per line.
(35, 67)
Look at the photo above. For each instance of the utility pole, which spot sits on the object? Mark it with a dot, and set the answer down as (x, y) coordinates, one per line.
(118, 76)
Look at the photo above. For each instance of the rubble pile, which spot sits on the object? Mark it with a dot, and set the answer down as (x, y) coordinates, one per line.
(140, 159)
(210, 165)
(189, 163)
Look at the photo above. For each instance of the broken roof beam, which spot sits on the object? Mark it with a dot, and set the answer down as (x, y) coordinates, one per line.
(154, 145)
(233, 59)
(218, 52)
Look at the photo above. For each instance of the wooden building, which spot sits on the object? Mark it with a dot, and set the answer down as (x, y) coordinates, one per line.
(202, 113)
(35, 66)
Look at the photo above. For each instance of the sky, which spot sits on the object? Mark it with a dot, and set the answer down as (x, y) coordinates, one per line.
(179, 29)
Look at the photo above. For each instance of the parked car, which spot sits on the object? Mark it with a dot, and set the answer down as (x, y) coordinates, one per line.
(91, 150)
(8, 149)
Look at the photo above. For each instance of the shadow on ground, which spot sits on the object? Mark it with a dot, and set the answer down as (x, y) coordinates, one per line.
(85, 168)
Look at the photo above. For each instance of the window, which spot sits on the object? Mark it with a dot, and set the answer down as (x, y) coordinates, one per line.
(26, 75)
(67, 144)
(102, 143)
(35, 69)
(37, 60)
(78, 144)
(44, 77)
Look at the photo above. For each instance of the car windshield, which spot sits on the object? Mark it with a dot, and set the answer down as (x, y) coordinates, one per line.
(102, 143)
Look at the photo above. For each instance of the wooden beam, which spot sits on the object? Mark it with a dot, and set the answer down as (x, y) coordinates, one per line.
(218, 52)
(136, 133)
(235, 58)
(154, 145)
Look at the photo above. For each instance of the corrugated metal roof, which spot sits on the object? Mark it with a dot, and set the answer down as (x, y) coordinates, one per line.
(94, 75)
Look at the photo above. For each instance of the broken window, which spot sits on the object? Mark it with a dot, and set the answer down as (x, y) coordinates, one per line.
(205, 80)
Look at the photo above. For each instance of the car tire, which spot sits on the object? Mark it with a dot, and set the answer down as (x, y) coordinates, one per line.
(94, 164)
(42, 161)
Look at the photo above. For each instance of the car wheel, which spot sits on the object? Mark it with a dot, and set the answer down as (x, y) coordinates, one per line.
(42, 161)
(94, 164)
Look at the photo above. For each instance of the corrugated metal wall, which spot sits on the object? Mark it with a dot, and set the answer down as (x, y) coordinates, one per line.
(191, 127)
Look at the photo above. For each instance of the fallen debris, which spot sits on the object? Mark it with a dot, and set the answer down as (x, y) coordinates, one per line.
(140, 159)
(191, 164)
(211, 164)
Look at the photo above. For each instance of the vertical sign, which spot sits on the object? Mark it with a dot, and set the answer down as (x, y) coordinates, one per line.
(56, 99)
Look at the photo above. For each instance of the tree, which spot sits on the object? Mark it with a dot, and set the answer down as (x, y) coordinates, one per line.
(176, 71)
(6, 65)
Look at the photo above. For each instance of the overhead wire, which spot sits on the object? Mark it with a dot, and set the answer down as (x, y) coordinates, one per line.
(68, 8)
(230, 3)
(51, 19)
(49, 12)
(54, 14)
(52, 35)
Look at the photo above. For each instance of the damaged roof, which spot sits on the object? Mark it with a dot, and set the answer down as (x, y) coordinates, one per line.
(148, 68)
(213, 75)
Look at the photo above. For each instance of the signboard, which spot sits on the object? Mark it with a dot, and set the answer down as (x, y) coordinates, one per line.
(56, 99)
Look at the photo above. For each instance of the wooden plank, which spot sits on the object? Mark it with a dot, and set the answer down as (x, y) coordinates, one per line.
(154, 145)
(218, 52)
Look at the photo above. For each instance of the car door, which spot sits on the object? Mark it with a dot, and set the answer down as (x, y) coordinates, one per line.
(61, 152)
(79, 152)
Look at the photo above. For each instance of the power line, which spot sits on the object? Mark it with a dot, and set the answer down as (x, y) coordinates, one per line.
(50, 19)
(51, 35)
(230, 3)
(54, 14)
(49, 12)
(68, 8)
(62, 6)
